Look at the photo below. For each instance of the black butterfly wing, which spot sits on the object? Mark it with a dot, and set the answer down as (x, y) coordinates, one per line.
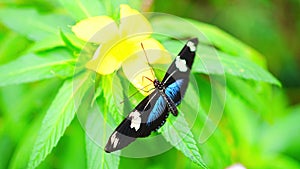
(149, 115)
(177, 77)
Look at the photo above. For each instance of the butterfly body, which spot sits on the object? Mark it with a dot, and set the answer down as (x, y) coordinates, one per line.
(151, 113)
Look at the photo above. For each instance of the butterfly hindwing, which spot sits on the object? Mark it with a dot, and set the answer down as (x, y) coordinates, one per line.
(158, 108)
(148, 115)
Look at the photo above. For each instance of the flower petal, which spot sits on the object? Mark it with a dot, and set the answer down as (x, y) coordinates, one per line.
(96, 29)
(136, 67)
(116, 48)
(104, 61)
(109, 56)
(136, 71)
(133, 23)
(155, 52)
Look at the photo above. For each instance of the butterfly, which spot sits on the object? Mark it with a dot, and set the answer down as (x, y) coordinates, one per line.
(151, 113)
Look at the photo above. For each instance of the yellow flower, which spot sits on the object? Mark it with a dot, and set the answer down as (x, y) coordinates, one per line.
(120, 45)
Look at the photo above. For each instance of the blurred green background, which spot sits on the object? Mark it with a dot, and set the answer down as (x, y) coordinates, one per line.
(270, 27)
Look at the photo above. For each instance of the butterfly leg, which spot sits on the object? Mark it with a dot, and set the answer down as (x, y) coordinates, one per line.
(146, 90)
(142, 89)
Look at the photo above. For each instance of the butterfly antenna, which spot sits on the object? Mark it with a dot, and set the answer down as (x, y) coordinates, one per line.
(151, 68)
(137, 92)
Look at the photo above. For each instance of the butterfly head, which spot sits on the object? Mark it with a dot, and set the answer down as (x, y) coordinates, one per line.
(157, 84)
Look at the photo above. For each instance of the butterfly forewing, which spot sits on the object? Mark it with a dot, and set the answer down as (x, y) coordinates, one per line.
(151, 113)
(177, 76)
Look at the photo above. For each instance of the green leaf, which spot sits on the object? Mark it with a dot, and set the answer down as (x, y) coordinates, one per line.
(34, 26)
(179, 135)
(80, 9)
(113, 7)
(32, 67)
(59, 116)
(44, 44)
(211, 61)
(241, 119)
(98, 92)
(21, 155)
(69, 157)
(98, 126)
(227, 43)
(207, 34)
(109, 83)
(71, 41)
(12, 46)
(98, 158)
(236, 66)
(259, 98)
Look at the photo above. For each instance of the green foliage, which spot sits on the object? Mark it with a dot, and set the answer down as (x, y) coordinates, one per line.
(36, 27)
(39, 53)
(239, 66)
(97, 158)
(175, 131)
(32, 67)
(83, 9)
(58, 117)
(108, 84)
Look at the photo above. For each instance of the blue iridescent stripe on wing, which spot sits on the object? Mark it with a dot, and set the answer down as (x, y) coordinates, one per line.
(174, 89)
(157, 110)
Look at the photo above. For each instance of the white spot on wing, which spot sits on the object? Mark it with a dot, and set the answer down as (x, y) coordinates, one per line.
(181, 64)
(135, 120)
(191, 45)
(114, 139)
